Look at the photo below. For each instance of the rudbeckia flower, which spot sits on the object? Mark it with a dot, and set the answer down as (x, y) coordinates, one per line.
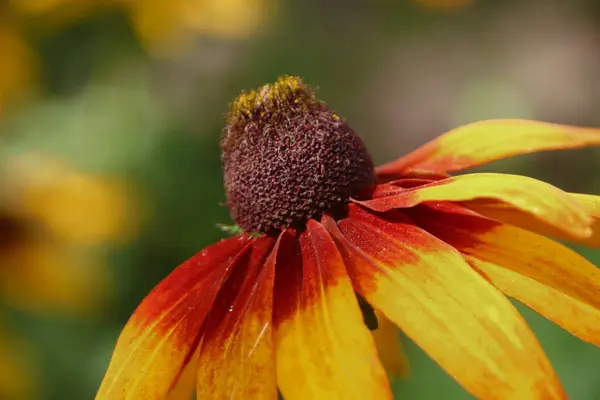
(165, 26)
(47, 230)
(287, 304)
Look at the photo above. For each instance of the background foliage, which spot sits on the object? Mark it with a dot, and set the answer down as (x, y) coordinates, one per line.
(110, 115)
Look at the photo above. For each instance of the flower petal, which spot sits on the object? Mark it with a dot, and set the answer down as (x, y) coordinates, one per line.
(237, 359)
(163, 332)
(482, 142)
(591, 205)
(390, 349)
(185, 386)
(544, 275)
(510, 215)
(384, 176)
(324, 349)
(458, 318)
(542, 200)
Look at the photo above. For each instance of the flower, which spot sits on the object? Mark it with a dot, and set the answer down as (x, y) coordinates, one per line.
(47, 233)
(164, 26)
(161, 25)
(275, 307)
(47, 263)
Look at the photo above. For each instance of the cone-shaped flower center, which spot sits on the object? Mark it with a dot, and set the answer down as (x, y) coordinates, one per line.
(288, 158)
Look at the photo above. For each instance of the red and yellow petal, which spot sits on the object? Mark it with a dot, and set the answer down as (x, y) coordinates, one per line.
(324, 350)
(163, 332)
(458, 318)
(539, 199)
(544, 275)
(482, 142)
(237, 357)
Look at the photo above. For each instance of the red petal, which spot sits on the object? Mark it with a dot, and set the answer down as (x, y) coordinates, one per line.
(237, 360)
(163, 332)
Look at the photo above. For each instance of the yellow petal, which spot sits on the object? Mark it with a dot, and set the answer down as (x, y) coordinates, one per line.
(164, 331)
(546, 276)
(482, 142)
(389, 348)
(510, 215)
(185, 387)
(237, 357)
(324, 350)
(454, 315)
(542, 200)
(591, 204)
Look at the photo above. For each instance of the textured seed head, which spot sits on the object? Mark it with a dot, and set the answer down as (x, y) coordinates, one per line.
(288, 158)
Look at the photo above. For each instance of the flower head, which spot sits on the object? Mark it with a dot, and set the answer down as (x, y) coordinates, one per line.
(289, 307)
(46, 229)
(301, 158)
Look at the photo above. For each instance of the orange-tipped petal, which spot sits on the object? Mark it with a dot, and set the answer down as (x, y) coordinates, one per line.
(237, 359)
(163, 332)
(482, 142)
(389, 348)
(324, 350)
(452, 313)
(542, 200)
(544, 275)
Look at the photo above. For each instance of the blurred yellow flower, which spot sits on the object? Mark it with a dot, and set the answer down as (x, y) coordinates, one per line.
(16, 372)
(163, 26)
(18, 61)
(50, 215)
(73, 205)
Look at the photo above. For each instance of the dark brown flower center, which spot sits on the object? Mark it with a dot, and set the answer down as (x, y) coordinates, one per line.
(288, 158)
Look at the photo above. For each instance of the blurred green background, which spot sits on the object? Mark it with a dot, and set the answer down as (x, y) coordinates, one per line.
(110, 116)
